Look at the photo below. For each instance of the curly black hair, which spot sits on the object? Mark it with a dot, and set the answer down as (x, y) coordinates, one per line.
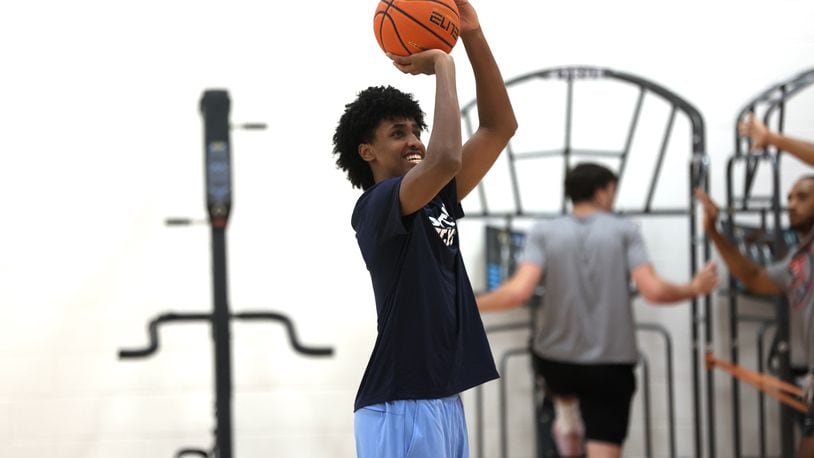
(358, 125)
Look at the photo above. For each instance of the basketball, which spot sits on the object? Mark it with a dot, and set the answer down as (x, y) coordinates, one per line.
(405, 27)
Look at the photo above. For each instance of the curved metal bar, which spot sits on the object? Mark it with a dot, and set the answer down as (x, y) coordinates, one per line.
(478, 420)
(152, 330)
(773, 96)
(588, 72)
(503, 382)
(665, 142)
(668, 351)
(788, 90)
(648, 427)
(760, 396)
(574, 74)
(289, 327)
(192, 451)
(764, 323)
(698, 177)
(506, 327)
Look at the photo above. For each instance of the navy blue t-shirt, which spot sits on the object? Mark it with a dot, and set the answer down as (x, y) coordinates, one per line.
(431, 342)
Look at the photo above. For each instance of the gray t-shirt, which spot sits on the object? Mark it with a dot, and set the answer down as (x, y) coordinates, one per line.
(586, 316)
(795, 274)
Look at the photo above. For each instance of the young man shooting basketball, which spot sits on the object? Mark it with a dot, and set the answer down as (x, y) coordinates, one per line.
(431, 344)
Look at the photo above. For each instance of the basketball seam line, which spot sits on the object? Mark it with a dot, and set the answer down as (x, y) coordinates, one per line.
(390, 4)
(439, 2)
(445, 6)
(395, 30)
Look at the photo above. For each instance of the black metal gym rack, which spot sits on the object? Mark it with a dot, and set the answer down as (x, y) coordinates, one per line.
(509, 239)
(214, 108)
(764, 240)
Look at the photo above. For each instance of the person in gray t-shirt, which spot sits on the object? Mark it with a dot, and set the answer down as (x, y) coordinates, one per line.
(794, 275)
(584, 343)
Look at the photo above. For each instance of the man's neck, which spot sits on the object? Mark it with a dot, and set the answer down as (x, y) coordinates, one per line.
(805, 235)
(584, 209)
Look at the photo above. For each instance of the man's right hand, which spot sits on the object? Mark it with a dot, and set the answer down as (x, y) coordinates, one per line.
(711, 211)
(422, 63)
(706, 279)
(753, 128)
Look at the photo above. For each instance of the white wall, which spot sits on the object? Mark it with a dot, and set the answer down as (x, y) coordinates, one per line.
(102, 141)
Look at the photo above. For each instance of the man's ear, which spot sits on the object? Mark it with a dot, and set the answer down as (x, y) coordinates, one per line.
(367, 152)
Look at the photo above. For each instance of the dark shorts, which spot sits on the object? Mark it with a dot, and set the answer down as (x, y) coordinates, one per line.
(604, 392)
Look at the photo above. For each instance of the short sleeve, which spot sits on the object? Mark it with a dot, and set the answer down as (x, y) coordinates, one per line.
(635, 249)
(377, 216)
(449, 195)
(534, 250)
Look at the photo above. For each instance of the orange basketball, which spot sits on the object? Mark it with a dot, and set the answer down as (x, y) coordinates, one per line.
(405, 27)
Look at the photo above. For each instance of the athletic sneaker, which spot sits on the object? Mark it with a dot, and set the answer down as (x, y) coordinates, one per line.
(569, 444)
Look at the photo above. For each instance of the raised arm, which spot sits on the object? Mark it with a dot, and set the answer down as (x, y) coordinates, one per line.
(515, 291)
(657, 290)
(762, 136)
(442, 160)
(752, 275)
(496, 118)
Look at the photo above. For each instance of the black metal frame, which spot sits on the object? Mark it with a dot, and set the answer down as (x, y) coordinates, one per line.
(215, 107)
(645, 368)
(773, 102)
(699, 177)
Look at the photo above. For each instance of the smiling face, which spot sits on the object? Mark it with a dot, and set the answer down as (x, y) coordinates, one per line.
(395, 149)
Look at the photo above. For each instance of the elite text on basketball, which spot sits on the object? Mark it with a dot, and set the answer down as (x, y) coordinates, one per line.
(441, 21)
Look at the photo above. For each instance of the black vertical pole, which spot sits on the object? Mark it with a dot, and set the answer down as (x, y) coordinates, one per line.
(214, 107)
(708, 327)
(479, 431)
(648, 429)
(631, 131)
(695, 338)
(699, 177)
(569, 114)
(733, 313)
(760, 396)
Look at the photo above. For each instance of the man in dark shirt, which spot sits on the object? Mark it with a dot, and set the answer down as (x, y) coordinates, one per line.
(431, 344)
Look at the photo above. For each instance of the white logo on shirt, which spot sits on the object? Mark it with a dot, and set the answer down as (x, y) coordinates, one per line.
(445, 226)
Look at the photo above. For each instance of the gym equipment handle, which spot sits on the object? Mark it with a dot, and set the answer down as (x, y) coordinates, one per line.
(152, 329)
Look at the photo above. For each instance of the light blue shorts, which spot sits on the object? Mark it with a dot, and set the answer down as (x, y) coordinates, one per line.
(426, 428)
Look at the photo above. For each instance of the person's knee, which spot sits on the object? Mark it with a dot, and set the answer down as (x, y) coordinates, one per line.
(566, 412)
